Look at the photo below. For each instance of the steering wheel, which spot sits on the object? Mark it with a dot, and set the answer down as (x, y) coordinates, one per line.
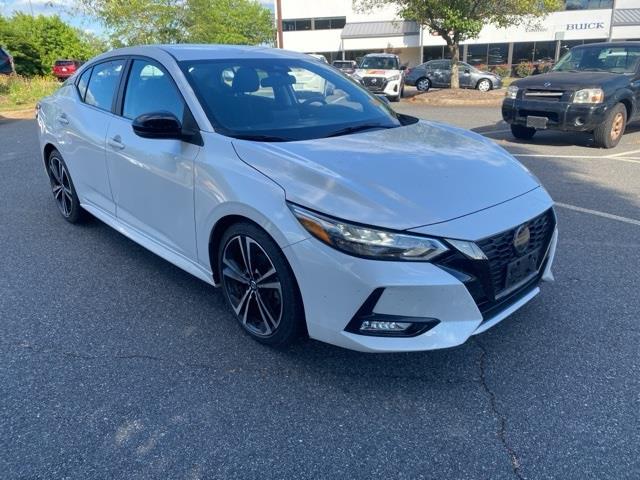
(310, 101)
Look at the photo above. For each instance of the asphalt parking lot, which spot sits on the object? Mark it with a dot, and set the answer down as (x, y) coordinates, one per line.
(115, 364)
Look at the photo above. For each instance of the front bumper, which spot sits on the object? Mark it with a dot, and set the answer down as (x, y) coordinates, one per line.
(335, 286)
(561, 115)
(382, 86)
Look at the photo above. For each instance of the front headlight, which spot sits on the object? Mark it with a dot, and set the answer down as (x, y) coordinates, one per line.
(589, 95)
(393, 78)
(512, 92)
(368, 242)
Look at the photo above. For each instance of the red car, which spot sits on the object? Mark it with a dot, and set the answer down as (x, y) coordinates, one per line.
(63, 69)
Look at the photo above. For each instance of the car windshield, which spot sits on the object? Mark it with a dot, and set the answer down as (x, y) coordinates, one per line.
(284, 99)
(382, 63)
(622, 59)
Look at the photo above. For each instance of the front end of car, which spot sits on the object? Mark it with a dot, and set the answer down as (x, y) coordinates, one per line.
(427, 288)
(545, 107)
(381, 82)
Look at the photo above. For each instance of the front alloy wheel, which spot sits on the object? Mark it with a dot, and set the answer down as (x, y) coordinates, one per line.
(259, 285)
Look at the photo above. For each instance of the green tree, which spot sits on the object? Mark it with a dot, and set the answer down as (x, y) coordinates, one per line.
(459, 20)
(36, 42)
(134, 22)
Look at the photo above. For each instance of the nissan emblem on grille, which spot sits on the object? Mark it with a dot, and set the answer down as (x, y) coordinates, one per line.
(521, 239)
(375, 80)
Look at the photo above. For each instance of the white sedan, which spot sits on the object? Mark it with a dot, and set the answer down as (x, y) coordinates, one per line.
(314, 206)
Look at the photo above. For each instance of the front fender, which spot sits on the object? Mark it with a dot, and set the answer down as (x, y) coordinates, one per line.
(226, 186)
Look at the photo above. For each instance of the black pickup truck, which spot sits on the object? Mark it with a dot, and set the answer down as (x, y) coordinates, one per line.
(593, 88)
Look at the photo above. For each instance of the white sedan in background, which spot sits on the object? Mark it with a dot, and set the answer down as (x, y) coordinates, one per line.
(317, 210)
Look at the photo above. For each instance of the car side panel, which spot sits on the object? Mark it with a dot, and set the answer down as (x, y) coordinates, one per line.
(79, 131)
(153, 185)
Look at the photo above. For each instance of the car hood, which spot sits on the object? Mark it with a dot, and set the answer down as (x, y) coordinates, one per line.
(376, 72)
(570, 80)
(398, 178)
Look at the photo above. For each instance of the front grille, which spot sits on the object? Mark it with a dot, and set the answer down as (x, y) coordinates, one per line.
(486, 279)
(544, 95)
(500, 251)
(376, 84)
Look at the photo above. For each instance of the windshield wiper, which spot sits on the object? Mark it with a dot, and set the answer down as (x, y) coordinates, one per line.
(259, 138)
(358, 128)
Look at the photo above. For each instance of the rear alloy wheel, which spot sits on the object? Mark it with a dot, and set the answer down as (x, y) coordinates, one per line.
(523, 133)
(423, 85)
(484, 85)
(259, 285)
(609, 132)
(63, 190)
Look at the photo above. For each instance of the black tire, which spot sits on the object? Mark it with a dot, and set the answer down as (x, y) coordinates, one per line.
(484, 85)
(286, 300)
(609, 132)
(423, 84)
(66, 198)
(523, 133)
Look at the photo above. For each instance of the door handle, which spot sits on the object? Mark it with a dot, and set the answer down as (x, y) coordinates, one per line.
(62, 118)
(115, 142)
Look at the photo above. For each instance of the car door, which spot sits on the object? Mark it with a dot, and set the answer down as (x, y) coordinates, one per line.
(152, 179)
(464, 74)
(80, 122)
(441, 74)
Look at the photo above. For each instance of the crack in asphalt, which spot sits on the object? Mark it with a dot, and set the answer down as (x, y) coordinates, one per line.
(501, 433)
(86, 356)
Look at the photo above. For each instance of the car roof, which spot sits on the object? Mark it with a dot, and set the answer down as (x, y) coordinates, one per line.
(206, 52)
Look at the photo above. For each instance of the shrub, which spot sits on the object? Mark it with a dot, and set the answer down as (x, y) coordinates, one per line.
(502, 70)
(524, 69)
(17, 91)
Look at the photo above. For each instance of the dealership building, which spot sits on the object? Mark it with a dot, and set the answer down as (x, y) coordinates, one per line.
(338, 31)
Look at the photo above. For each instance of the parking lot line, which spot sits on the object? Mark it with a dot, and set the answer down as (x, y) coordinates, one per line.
(623, 154)
(577, 157)
(597, 213)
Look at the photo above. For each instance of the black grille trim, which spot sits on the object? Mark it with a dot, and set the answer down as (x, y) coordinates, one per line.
(379, 86)
(485, 279)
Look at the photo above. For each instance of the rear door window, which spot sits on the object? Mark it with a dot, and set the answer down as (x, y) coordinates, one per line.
(103, 84)
(83, 82)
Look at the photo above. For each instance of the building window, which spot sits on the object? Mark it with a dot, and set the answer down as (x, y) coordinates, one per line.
(329, 23)
(498, 54)
(299, 24)
(477, 54)
(587, 4)
(523, 52)
(437, 53)
(314, 24)
(544, 52)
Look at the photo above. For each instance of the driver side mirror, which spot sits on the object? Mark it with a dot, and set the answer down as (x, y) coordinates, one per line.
(403, 67)
(466, 70)
(158, 125)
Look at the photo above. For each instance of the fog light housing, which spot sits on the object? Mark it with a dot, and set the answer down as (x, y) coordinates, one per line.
(366, 322)
(388, 327)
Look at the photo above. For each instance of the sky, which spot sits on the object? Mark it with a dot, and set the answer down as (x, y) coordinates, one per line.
(64, 8)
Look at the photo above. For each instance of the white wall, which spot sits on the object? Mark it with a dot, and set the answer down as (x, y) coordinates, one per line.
(569, 25)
